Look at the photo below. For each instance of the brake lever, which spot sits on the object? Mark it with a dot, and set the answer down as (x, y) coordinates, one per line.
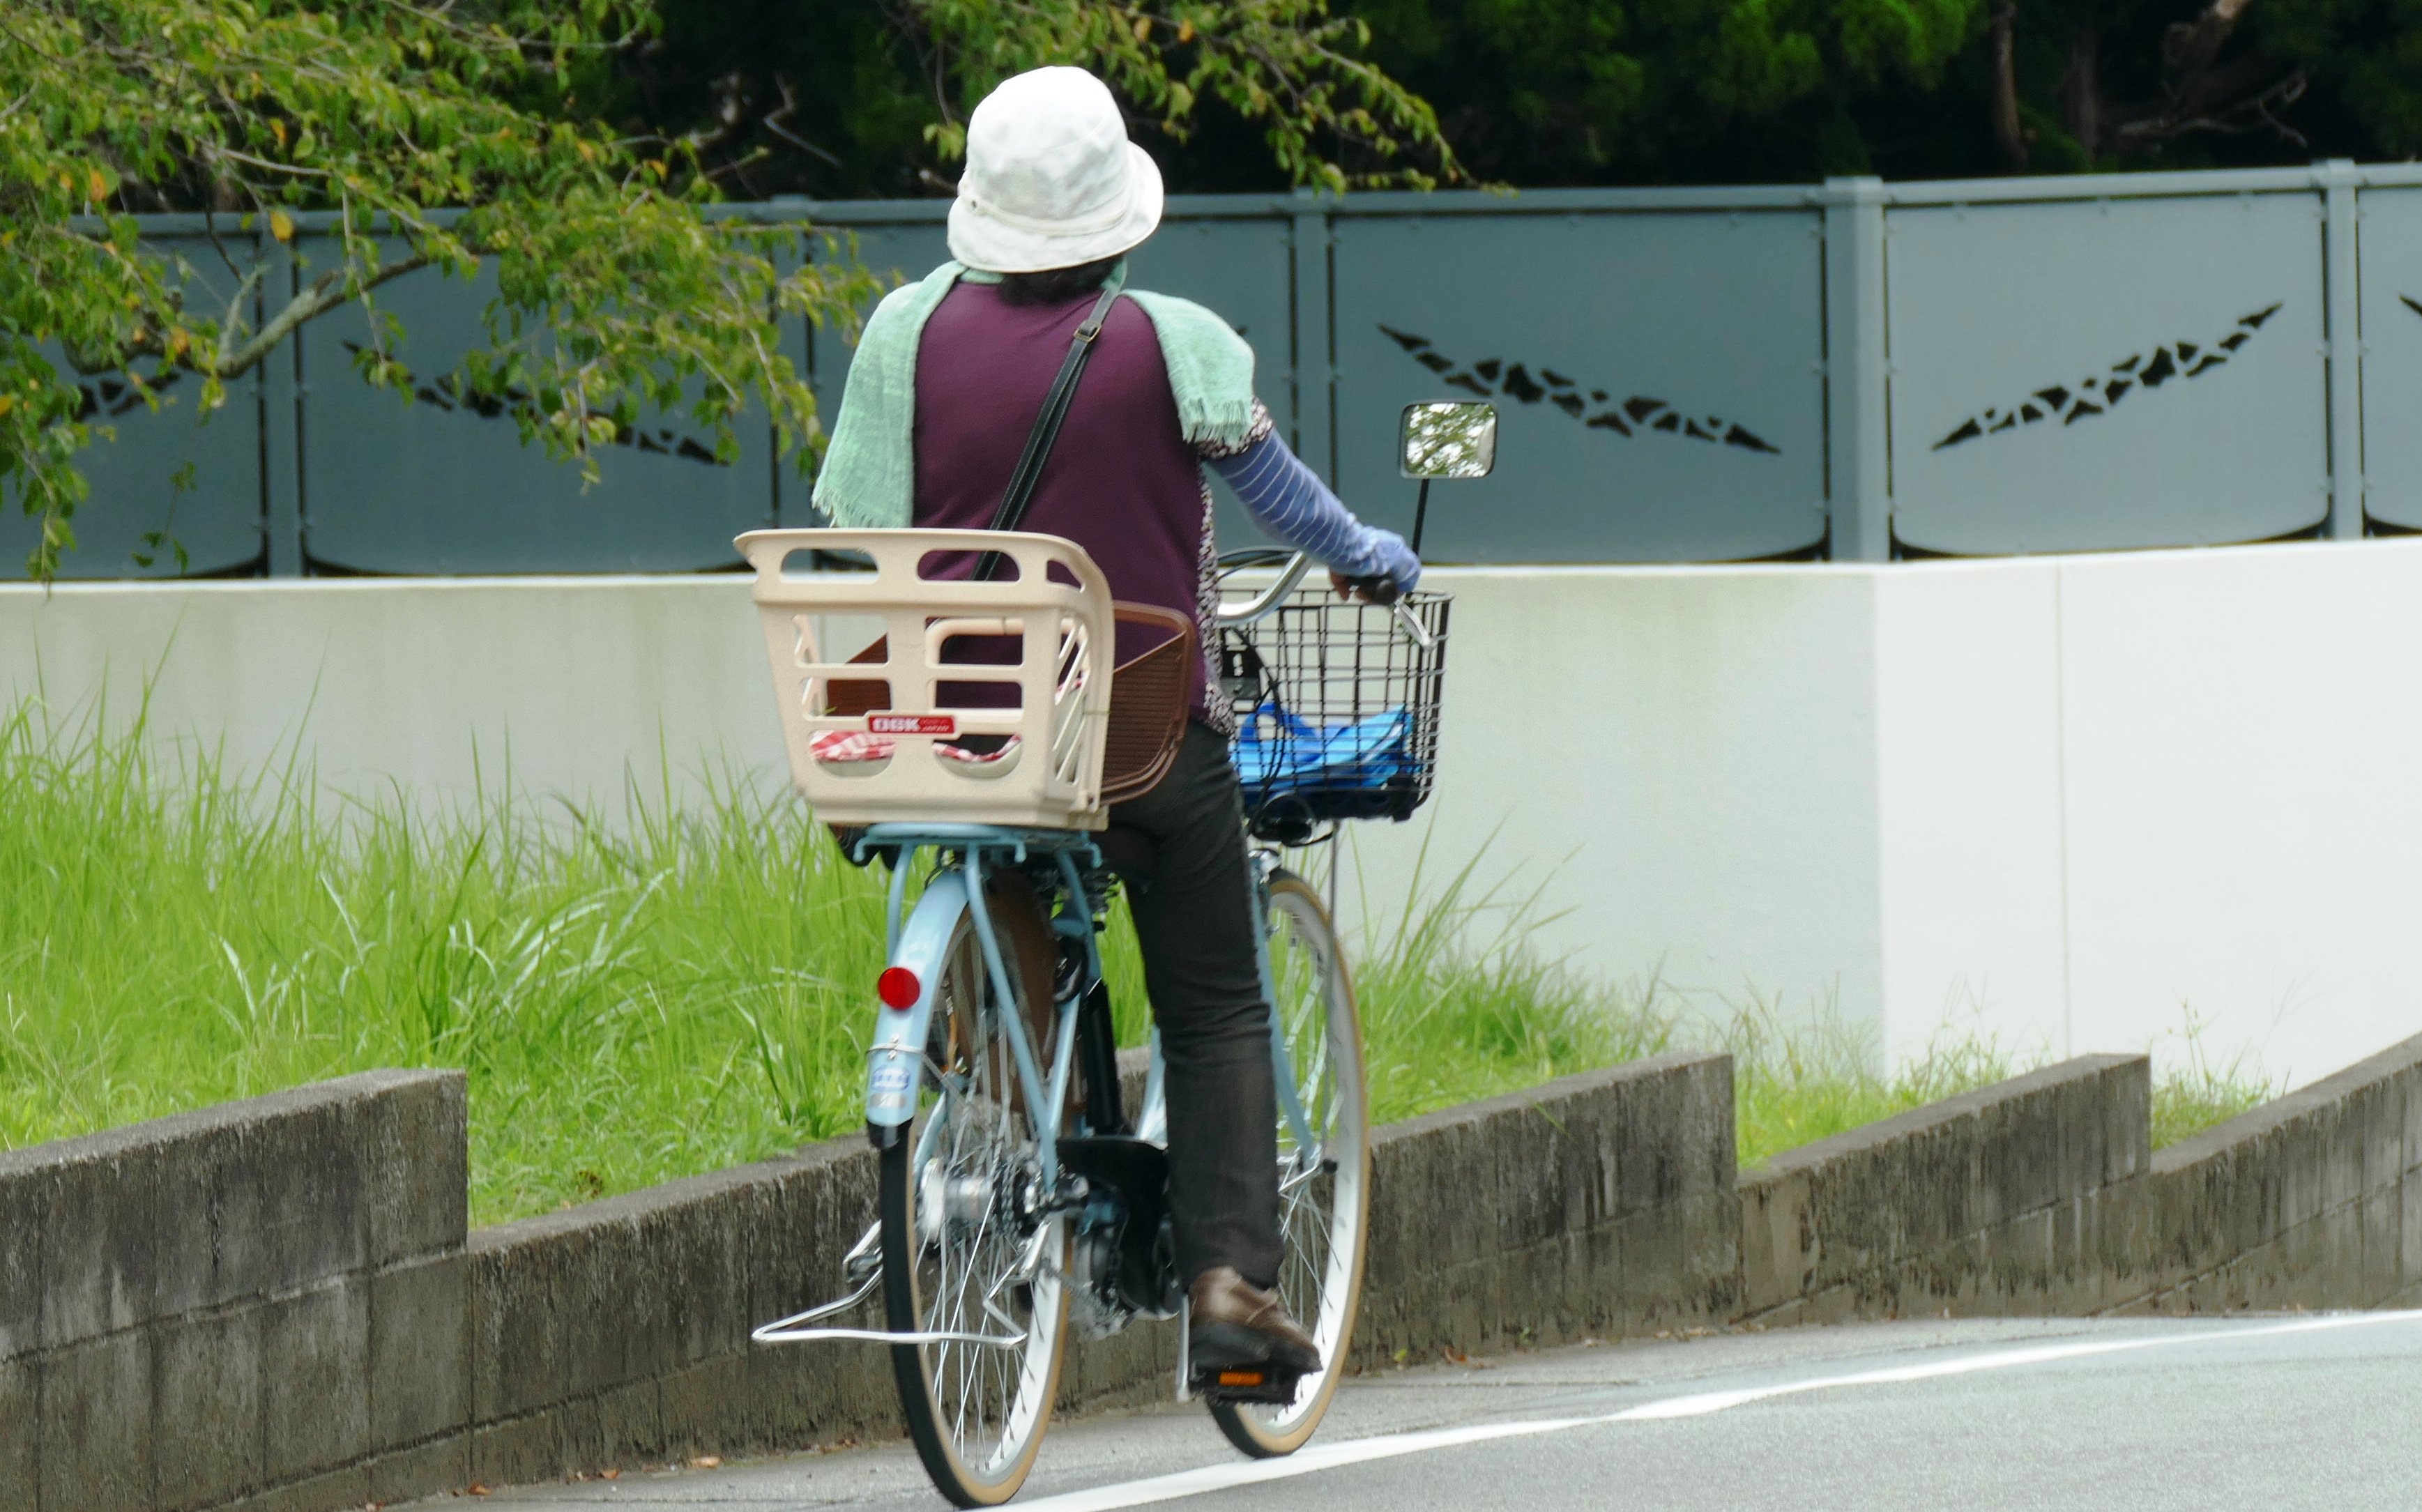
(1380, 591)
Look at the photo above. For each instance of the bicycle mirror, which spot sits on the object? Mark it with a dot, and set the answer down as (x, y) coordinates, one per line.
(1446, 439)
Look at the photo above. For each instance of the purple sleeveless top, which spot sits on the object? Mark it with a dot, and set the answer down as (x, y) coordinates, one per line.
(1121, 481)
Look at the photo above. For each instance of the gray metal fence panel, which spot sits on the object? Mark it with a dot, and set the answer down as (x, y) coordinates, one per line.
(443, 483)
(1970, 368)
(132, 477)
(1660, 379)
(2087, 374)
(2390, 236)
(134, 495)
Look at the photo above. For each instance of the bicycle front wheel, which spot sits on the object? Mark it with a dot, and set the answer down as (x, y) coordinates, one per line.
(1323, 1161)
(969, 1258)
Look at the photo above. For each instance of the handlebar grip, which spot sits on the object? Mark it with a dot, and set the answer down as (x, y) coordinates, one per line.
(1377, 589)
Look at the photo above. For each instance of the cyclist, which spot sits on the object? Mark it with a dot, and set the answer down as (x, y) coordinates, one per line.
(950, 376)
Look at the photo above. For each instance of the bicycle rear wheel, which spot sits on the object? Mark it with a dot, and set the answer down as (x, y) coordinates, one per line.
(965, 1252)
(1324, 1168)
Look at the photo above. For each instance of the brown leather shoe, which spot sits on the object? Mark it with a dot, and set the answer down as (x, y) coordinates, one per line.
(1235, 1323)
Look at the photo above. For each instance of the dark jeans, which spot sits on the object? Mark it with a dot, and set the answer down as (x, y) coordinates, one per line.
(1180, 849)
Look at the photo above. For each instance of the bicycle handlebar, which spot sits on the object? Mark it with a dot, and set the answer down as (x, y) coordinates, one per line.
(1263, 605)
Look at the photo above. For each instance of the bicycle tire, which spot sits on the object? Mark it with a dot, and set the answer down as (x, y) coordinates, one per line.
(1325, 1212)
(969, 1179)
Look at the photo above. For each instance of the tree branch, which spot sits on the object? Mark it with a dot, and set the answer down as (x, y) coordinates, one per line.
(235, 306)
(773, 123)
(230, 360)
(2202, 94)
(325, 294)
(220, 149)
(2190, 46)
(2007, 139)
(2249, 112)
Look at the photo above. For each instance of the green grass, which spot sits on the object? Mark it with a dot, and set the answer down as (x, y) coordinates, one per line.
(1795, 1087)
(635, 996)
(630, 1004)
(2194, 1097)
(681, 988)
(1457, 1005)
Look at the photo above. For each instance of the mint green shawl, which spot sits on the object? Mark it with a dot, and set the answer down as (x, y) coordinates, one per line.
(868, 476)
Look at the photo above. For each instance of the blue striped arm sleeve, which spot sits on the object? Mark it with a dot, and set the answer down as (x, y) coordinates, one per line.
(1292, 505)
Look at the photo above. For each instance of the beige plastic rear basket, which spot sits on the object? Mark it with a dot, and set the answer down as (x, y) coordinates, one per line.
(1052, 780)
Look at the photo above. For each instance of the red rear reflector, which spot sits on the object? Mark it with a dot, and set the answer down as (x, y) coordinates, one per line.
(898, 987)
(1240, 1377)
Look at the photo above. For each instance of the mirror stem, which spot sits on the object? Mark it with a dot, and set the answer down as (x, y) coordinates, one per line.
(1421, 516)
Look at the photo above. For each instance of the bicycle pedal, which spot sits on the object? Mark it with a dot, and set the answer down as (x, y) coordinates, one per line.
(1269, 1385)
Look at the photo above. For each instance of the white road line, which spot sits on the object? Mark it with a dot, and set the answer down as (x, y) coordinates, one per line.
(1391, 1445)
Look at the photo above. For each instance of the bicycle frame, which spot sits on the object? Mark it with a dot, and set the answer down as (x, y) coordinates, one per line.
(1011, 1210)
(921, 940)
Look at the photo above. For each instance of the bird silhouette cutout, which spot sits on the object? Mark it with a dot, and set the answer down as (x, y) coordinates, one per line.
(2098, 394)
(1594, 408)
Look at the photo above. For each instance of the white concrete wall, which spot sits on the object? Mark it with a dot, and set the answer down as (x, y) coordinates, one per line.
(436, 685)
(2127, 794)
(1685, 756)
(2245, 810)
(2065, 802)
(1967, 766)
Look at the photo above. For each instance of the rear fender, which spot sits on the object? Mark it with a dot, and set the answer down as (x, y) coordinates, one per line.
(897, 1054)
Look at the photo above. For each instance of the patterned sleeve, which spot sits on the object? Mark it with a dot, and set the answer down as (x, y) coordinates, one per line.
(1213, 451)
(1291, 505)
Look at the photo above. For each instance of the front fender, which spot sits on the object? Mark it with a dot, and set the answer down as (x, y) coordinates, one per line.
(897, 1054)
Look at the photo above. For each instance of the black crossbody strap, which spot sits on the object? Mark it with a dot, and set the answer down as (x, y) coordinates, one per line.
(1047, 425)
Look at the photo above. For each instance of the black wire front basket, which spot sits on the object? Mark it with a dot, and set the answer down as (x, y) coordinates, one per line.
(1337, 710)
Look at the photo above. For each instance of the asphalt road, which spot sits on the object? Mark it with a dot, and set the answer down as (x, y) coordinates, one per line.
(2318, 1411)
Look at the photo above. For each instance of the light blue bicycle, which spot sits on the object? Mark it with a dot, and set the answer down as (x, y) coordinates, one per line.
(1020, 1192)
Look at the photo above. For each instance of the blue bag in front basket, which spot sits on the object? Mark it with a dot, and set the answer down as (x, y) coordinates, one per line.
(1278, 752)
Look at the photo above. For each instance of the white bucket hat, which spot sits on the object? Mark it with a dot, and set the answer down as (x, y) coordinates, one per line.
(1051, 178)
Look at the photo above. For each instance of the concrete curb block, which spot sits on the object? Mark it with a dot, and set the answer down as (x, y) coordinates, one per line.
(2312, 1200)
(264, 1293)
(1980, 1203)
(1596, 1205)
(2043, 1195)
